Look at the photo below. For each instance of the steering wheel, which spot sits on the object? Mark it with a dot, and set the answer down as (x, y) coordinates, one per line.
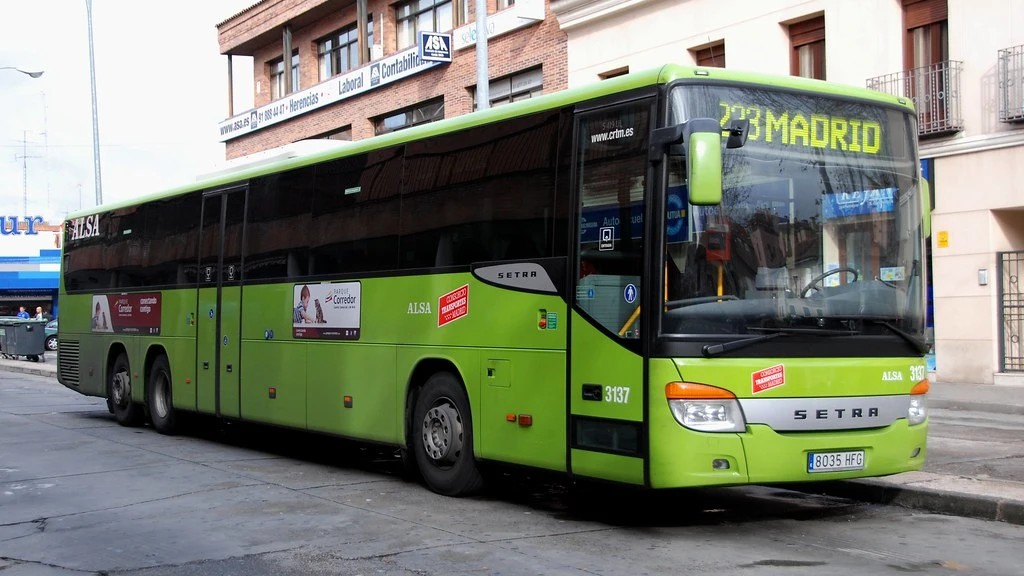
(673, 304)
(820, 277)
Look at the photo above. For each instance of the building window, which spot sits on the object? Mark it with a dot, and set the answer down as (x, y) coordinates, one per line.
(514, 88)
(931, 82)
(430, 111)
(428, 16)
(712, 56)
(344, 133)
(807, 39)
(277, 76)
(338, 52)
(502, 4)
(927, 37)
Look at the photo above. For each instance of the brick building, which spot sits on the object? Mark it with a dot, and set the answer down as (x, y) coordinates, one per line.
(348, 83)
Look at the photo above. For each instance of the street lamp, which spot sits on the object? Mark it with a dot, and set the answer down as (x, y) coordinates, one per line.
(32, 74)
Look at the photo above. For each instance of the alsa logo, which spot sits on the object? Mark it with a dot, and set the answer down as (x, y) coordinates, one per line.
(892, 376)
(87, 227)
(419, 308)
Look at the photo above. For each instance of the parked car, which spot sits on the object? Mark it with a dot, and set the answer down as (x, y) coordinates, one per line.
(51, 335)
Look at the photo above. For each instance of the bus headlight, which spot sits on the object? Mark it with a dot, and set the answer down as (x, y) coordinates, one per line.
(704, 408)
(918, 410)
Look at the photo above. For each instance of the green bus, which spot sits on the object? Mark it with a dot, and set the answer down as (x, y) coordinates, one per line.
(675, 278)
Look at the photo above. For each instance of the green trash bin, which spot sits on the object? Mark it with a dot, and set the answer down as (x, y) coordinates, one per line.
(23, 338)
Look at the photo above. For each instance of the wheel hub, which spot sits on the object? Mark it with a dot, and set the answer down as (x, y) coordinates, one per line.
(442, 433)
(121, 389)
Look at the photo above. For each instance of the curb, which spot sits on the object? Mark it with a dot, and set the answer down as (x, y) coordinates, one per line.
(925, 499)
(977, 406)
(27, 367)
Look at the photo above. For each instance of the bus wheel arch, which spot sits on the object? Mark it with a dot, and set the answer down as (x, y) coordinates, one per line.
(439, 429)
(119, 388)
(159, 391)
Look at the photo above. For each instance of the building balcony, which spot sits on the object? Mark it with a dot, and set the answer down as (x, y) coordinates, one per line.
(935, 91)
(1010, 70)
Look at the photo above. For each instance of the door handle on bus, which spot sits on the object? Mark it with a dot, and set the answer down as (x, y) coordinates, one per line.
(229, 367)
(206, 365)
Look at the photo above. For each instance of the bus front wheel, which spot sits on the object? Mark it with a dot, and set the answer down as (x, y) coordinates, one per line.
(442, 437)
(159, 399)
(119, 393)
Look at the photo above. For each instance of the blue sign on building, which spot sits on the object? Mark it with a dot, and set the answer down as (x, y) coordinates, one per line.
(435, 47)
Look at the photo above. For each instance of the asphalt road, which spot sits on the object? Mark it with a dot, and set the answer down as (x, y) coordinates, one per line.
(81, 495)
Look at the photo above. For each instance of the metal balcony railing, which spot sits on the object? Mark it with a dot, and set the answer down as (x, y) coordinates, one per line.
(1011, 84)
(935, 90)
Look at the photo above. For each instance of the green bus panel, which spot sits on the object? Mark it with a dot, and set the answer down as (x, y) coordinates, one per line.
(206, 351)
(598, 359)
(274, 376)
(805, 377)
(230, 350)
(519, 383)
(605, 466)
(364, 372)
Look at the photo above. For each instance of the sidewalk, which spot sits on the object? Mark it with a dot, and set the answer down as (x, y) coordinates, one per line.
(974, 467)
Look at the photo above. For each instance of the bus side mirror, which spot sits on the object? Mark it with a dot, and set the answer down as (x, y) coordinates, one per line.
(926, 208)
(702, 141)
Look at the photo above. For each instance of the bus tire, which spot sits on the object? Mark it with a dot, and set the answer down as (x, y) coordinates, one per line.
(442, 437)
(159, 397)
(119, 392)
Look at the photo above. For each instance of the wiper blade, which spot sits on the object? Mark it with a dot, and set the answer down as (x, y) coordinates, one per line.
(710, 350)
(920, 345)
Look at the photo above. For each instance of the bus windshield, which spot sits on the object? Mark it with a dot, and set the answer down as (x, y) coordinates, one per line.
(819, 226)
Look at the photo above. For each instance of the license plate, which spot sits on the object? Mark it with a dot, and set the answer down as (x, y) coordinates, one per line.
(835, 461)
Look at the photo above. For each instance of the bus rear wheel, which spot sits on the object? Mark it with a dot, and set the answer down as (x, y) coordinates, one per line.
(119, 393)
(159, 397)
(442, 437)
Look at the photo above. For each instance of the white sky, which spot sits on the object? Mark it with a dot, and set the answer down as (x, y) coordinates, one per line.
(161, 87)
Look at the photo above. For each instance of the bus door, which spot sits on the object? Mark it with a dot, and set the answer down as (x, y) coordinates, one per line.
(606, 375)
(218, 322)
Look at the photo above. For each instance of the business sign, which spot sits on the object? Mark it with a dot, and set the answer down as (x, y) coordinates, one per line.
(382, 72)
(14, 225)
(435, 47)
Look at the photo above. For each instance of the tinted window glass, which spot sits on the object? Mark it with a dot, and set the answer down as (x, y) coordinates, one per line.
(354, 227)
(481, 194)
(277, 234)
(169, 241)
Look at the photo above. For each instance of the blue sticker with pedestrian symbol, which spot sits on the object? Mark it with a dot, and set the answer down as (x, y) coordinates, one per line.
(629, 293)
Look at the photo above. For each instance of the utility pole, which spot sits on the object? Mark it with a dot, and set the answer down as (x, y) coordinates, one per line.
(95, 116)
(24, 171)
(483, 84)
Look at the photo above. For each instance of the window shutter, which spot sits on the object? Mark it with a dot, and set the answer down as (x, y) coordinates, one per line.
(807, 31)
(917, 13)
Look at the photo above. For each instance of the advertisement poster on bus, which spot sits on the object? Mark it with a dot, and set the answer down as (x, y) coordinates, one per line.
(126, 313)
(328, 311)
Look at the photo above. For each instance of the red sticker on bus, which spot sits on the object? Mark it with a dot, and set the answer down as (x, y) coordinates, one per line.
(453, 305)
(768, 378)
(126, 313)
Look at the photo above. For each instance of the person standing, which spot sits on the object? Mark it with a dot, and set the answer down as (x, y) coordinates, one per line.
(39, 313)
(22, 313)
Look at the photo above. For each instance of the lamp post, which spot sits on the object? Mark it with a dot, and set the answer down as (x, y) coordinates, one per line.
(26, 72)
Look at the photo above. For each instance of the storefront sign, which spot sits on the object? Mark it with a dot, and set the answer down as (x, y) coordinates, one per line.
(384, 71)
(435, 47)
(16, 225)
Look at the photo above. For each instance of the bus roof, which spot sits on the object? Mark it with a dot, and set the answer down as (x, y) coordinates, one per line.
(654, 76)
